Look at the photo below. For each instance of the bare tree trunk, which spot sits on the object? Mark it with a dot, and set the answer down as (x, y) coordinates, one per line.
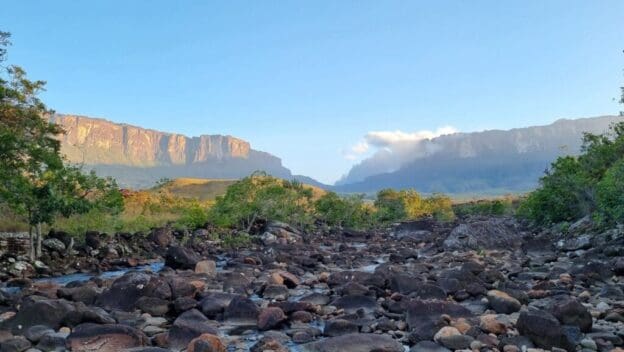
(251, 223)
(39, 240)
(31, 235)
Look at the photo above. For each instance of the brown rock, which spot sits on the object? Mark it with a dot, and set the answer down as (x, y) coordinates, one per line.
(105, 338)
(270, 317)
(490, 323)
(206, 342)
(208, 267)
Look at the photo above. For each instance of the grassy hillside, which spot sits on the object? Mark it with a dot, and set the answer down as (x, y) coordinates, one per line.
(205, 189)
(202, 189)
(168, 202)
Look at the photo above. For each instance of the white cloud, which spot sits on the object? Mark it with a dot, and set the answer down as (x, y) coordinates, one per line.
(395, 142)
(383, 139)
(387, 151)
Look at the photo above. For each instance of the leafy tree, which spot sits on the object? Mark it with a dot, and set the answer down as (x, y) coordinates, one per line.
(439, 206)
(610, 194)
(568, 190)
(564, 194)
(349, 211)
(390, 206)
(34, 181)
(193, 216)
(260, 196)
(395, 205)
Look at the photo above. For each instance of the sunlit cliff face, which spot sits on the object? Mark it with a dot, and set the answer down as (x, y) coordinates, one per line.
(96, 141)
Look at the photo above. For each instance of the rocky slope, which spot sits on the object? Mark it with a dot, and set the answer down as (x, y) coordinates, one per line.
(478, 162)
(138, 157)
(480, 284)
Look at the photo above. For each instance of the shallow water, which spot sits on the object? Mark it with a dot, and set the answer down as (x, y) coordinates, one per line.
(65, 279)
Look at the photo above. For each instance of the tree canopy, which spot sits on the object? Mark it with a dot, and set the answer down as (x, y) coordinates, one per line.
(35, 181)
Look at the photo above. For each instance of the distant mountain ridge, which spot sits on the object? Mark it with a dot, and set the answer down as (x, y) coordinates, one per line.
(138, 157)
(494, 161)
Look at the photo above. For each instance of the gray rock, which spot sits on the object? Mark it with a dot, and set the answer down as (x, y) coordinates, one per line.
(355, 343)
(54, 244)
(486, 234)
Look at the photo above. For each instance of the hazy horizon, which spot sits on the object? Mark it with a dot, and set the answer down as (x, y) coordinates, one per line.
(323, 85)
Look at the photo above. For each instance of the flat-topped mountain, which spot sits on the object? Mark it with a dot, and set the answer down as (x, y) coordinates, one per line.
(138, 157)
(494, 161)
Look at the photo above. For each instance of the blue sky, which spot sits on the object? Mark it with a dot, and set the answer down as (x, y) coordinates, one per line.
(308, 80)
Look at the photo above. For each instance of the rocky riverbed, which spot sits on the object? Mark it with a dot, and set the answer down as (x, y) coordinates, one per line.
(477, 284)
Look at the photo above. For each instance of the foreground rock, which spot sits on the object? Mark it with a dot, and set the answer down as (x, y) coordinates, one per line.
(105, 338)
(355, 343)
(424, 286)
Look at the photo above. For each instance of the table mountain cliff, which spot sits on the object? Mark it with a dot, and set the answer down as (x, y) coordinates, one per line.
(138, 157)
(486, 162)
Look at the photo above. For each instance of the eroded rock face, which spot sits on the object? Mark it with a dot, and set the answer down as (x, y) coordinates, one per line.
(124, 151)
(105, 142)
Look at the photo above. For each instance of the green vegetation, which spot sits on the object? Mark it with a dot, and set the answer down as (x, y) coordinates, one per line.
(350, 211)
(35, 183)
(197, 188)
(610, 194)
(395, 205)
(263, 197)
(266, 197)
(590, 184)
(486, 207)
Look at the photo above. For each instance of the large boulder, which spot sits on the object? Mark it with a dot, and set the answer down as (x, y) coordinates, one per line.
(416, 230)
(569, 311)
(424, 317)
(337, 327)
(187, 326)
(502, 302)
(270, 317)
(85, 294)
(492, 233)
(206, 343)
(181, 258)
(281, 232)
(242, 310)
(355, 343)
(214, 303)
(105, 338)
(125, 291)
(93, 240)
(54, 244)
(162, 236)
(546, 331)
(47, 312)
(353, 303)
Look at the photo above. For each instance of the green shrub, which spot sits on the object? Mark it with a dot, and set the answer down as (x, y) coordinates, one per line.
(349, 211)
(574, 187)
(401, 205)
(192, 217)
(263, 197)
(236, 240)
(565, 194)
(610, 194)
(485, 207)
